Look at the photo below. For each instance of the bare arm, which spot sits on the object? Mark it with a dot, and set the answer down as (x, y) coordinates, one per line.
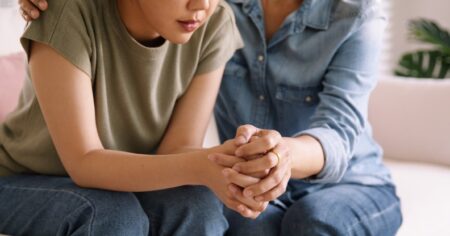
(189, 122)
(66, 99)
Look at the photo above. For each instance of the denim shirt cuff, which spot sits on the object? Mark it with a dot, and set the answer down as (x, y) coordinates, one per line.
(335, 164)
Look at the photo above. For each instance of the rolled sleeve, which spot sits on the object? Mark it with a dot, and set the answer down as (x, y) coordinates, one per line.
(341, 115)
(334, 167)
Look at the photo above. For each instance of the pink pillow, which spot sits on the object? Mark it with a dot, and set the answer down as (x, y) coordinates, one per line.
(411, 119)
(12, 73)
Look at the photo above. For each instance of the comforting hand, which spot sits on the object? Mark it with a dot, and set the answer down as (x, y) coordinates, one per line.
(275, 160)
(30, 9)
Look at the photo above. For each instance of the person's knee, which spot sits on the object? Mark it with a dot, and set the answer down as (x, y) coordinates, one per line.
(199, 204)
(302, 223)
(371, 211)
(267, 223)
(201, 201)
(192, 210)
(109, 213)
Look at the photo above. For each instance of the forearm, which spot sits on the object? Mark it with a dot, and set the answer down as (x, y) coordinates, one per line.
(307, 156)
(122, 171)
(178, 150)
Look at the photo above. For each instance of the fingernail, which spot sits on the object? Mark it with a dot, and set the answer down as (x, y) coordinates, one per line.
(259, 199)
(236, 168)
(34, 13)
(241, 208)
(241, 139)
(238, 152)
(212, 157)
(248, 193)
(226, 172)
(42, 5)
(232, 189)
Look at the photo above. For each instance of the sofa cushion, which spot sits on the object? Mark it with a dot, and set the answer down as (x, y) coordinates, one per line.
(411, 119)
(424, 192)
(12, 72)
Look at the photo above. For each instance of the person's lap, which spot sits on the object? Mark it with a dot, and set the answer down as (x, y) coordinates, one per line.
(339, 209)
(186, 210)
(44, 205)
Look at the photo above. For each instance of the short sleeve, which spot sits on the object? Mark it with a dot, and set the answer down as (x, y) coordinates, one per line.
(221, 40)
(63, 27)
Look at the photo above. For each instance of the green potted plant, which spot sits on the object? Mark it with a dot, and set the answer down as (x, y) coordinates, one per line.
(427, 63)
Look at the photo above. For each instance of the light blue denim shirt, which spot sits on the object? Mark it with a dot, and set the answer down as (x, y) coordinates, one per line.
(313, 77)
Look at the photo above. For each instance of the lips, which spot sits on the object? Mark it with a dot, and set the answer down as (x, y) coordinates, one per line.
(189, 25)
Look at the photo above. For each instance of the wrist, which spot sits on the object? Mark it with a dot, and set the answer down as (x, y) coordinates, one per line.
(201, 166)
(307, 156)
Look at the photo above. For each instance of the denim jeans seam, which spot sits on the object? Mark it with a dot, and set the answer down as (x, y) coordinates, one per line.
(373, 216)
(79, 196)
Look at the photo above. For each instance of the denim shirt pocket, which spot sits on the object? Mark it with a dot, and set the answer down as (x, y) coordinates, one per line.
(299, 96)
(296, 106)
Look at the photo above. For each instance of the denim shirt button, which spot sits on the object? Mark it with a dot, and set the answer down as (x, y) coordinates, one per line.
(261, 58)
(261, 97)
(308, 99)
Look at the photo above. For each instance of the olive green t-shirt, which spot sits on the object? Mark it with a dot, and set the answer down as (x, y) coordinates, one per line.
(135, 87)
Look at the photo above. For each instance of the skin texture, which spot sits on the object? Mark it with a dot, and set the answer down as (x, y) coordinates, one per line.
(150, 19)
(253, 174)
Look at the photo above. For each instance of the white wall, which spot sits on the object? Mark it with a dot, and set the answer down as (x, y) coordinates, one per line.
(404, 10)
(11, 27)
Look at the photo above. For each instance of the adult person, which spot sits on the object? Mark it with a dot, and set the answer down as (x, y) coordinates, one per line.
(114, 85)
(302, 82)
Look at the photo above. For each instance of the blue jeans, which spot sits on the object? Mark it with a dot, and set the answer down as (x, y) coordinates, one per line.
(336, 209)
(43, 205)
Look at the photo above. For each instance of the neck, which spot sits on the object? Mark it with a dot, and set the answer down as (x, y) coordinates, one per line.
(133, 18)
(275, 12)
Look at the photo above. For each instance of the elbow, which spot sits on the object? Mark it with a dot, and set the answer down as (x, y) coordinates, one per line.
(75, 168)
(78, 177)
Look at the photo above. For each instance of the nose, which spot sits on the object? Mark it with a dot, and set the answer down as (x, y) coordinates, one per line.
(198, 5)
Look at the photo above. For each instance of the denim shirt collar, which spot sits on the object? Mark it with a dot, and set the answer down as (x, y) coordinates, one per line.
(317, 12)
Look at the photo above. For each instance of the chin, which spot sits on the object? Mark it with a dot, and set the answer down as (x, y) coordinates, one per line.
(180, 38)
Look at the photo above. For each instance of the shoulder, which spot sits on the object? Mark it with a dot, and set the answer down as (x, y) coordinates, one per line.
(357, 9)
(222, 15)
(58, 9)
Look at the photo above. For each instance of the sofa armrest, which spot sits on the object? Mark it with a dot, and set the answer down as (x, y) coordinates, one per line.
(411, 119)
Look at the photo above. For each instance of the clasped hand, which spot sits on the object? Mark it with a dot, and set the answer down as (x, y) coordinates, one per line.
(255, 175)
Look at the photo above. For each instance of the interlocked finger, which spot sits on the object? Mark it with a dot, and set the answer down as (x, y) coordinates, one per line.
(275, 192)
(262, 164)
(267, 140)
(251, 203)
(239, 179)
(225, 160)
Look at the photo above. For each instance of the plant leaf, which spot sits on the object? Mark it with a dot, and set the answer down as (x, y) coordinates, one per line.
(430, 32)
(424, 64)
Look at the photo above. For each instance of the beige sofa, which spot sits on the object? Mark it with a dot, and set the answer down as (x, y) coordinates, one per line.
(411, 121)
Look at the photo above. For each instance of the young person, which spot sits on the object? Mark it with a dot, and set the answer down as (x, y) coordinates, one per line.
(303, 81)
(114, 85)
